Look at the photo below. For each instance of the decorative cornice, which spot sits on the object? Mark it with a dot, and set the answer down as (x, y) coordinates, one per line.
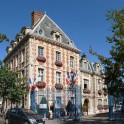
(56, 43)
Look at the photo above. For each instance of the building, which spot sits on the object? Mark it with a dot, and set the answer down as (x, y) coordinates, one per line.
(94, 99)
(45, 55)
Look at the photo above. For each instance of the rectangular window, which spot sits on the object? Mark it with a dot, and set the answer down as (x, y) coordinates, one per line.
(58, 77)
(105, 102)
(23, 73)
(23, 55)
(71, 61)
(16, 61)
(40, 51)
(11, 64)
(58, 56)
(99, 102)
(99, 86)
(40, 74)
(86, 83)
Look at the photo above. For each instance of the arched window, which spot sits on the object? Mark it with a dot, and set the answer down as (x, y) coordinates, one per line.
(99, 102)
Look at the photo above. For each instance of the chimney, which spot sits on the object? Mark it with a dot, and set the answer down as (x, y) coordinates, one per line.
(36, 15)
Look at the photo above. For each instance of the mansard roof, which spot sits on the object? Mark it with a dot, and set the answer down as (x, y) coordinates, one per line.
(46, 26)
(91, 66)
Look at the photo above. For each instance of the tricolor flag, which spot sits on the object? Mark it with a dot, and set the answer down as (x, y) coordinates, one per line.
(34, 84)
(30, 84)
(74, 78)
(67, 77)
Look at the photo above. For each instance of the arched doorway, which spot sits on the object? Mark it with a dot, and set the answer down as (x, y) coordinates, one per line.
(86, 106)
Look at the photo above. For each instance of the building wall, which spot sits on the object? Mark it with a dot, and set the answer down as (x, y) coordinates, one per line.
(28, 66)
(93, 78)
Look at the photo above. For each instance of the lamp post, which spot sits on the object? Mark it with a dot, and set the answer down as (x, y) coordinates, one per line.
(73, 89)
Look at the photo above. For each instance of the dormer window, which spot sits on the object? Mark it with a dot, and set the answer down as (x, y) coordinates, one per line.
(56, 35)
(40, 31)
(85, 65)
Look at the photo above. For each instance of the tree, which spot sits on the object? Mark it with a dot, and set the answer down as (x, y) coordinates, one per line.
(11, 87)
(3, 37)
(114, 65)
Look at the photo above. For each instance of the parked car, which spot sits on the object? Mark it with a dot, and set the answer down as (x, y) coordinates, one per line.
(23, 116)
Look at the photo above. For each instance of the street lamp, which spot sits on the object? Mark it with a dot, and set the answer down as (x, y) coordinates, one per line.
(73, 89)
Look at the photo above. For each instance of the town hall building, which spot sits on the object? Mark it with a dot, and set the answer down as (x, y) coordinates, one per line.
(53, 67)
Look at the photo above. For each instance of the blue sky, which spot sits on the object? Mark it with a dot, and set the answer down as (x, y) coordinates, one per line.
(84, 21)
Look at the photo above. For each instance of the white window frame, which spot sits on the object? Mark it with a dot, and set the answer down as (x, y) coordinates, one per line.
(72, 61)
(23, 55)
(99, 86)
(86, 81)
(16, 60)
(58, 77)
(40, 51)
(40, 74)
(11, 64)
(58, 56)
(105, 102)
(99, 102)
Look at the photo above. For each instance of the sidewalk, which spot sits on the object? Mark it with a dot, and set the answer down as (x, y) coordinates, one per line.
(90, 119)
(104, 119)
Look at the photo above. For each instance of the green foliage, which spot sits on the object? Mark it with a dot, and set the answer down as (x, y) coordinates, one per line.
(11, 87)
(114, 65)
(3, 37)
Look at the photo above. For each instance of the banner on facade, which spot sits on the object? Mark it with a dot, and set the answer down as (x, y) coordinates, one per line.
(42, 106)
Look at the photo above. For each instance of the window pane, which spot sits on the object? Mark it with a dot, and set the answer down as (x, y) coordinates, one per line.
(40, 74)
(40, 51)
(58, 77)
(99, 102)
(17, 60)
(58, 56)
(71, 61)
(98, 85)
(86, 83)
(23, 55)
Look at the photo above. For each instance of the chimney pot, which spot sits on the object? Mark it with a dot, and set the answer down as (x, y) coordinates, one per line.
(36, 15)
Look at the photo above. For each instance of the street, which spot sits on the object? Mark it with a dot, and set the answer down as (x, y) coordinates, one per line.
(91, 119)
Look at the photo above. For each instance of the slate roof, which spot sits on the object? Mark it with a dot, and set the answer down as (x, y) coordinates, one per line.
(44, 28)
(91, 67)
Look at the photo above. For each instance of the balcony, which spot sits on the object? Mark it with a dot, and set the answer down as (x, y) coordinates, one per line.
(58, 86)
(86, 91)
(58, 63)
(41, 59)
(41, 84)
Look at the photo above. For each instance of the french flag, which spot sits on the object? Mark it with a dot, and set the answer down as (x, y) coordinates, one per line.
(30, 84)
(34, 84)
(67, 77)
(74, 78)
